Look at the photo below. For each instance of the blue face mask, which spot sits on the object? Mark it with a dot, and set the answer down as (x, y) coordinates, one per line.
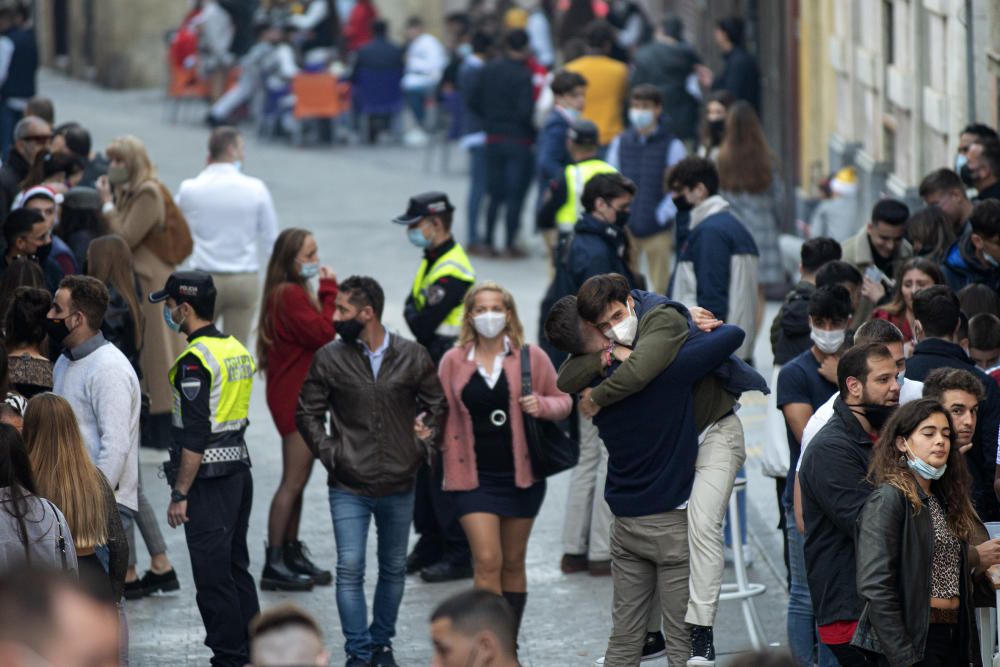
(960, 161)
(238, 164)
(922, 468)
(417, 238)
(310, 270)
(168, 317)
(990, 259)
(574, 114)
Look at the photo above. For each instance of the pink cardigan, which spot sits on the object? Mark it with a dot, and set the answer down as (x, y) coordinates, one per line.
(457, 448)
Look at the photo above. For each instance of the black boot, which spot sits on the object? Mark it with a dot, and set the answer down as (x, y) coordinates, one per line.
(277, 576)
(517, 602)
(297, 559)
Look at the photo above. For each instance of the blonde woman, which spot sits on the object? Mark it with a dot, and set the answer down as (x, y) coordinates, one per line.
(485, 451)
(65, 475)
(134, 205)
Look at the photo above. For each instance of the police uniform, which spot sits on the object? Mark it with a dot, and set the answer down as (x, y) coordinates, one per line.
(434, 312)
(211, 383)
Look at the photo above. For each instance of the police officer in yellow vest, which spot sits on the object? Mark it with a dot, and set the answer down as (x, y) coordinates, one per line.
(434, 306)
(210, 472)
(434, 312)
(561, 208)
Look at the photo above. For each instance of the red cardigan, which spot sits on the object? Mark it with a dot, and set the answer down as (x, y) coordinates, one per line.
(457, 448)
(298, 330)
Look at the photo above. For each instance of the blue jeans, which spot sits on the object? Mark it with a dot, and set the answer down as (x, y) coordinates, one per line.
(802, 637)
(352, 515)
(510, 167)
(416, 99)
(477, 190)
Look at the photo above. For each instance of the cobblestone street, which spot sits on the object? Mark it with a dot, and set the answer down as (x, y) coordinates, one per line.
(347, 195)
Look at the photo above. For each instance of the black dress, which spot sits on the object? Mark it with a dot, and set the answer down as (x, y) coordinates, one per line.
(497, 492)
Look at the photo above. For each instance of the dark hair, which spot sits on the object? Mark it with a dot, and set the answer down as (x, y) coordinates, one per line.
(745, 162)
(991, 153)
(941, 380)
(879, 331)
(600, 291)
(380, 27)
(516, 40)
(817, 252)
(985, 219)
(836, 273)
(976, 298)
(599, 35)
(565, 82)
(980, 130)
(733, 26)
(22, 272)
(940, 180)
(691, 171)
(221, 140)
(938, 310)
(855, 364)
(41, 107)
(462, 18)
(562, 326)
(890, 211)
(646, 92)
(724, 98)
(984, 332)
(77, 138)
(831, 303)
(90, 297)
(282, 616)
(606, 187)
(482, 41)
(25, 318)
(16, 475)
(477, 610)
(575, 47)
(414, 22)
(18, 223)
(364, 291)
(673, 26)
(931, 230)
(952, 488)
(897, 306)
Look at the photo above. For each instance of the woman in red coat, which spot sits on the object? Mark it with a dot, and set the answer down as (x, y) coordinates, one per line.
(294, 322)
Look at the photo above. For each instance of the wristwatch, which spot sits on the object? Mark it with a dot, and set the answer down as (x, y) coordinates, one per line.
(177, 497)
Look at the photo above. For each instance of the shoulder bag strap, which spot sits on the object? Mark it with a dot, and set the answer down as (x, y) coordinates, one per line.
(61, 541)
(525, 370)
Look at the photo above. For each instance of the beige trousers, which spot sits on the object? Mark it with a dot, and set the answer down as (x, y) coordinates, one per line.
(658, 250)
(236, 303)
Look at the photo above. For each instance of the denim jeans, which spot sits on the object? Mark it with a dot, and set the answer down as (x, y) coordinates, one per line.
(352, 515)
(477, 190)
(416, 99)
(801, 622)
(510, 166)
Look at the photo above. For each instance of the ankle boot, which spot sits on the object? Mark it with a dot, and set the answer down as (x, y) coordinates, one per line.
(517, 602)
(277, 576)
(297, 560)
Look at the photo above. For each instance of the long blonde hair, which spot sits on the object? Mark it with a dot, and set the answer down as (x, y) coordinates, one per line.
(513, 330)
(130, 150)
(63, 470)
(110, 261)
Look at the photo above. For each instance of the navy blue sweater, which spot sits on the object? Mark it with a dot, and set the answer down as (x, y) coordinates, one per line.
(651, 461)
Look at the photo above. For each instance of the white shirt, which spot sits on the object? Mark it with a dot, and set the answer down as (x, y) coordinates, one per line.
(231, 217)
(491, 377)
(910, 391)
(426, 59)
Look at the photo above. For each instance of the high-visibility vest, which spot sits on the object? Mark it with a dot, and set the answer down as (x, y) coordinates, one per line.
(577, 175)
(453, 264)
(231, 368)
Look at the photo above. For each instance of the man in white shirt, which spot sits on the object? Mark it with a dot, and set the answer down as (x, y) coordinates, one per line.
(426, 59)
(232, 221)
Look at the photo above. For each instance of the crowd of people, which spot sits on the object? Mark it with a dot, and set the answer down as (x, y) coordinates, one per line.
(129, 317)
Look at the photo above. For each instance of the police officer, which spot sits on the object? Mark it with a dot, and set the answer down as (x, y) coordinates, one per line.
(561, 207)
(210, 465)
(434, 312)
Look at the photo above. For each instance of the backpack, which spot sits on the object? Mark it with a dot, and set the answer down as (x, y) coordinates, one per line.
(172, 241)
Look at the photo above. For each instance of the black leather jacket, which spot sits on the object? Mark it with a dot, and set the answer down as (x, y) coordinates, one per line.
(894, 551)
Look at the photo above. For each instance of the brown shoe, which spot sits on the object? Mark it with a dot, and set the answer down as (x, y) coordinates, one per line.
(573, 563)
(599, 568)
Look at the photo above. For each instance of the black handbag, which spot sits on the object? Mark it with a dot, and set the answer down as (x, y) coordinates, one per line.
(551, 449)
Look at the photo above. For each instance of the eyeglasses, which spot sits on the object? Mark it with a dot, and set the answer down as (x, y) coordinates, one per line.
(39, 138)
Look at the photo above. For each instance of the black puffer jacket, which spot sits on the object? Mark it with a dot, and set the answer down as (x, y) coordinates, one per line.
(895, 546)
(790, 332)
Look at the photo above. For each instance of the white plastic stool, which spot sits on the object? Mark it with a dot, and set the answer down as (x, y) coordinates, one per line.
(743, 590)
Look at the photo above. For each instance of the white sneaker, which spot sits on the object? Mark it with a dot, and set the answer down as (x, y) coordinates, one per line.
(747, 555)
(416, 138)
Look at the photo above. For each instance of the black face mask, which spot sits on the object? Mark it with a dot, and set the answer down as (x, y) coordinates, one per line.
(967, 176)
(349, 330)
(716, 130)
(57, 331)
(682, 204)
(621, 218)
(877, 415)
(42, 254)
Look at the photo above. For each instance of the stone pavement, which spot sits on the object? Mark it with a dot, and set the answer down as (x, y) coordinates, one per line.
(346, 196)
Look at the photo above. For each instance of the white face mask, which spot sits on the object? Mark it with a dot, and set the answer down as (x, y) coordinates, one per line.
(641, 118)
(489, 325)
(624, 332)
(828, 342)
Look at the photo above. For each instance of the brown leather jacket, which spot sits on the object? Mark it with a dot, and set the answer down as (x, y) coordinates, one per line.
(371, 448)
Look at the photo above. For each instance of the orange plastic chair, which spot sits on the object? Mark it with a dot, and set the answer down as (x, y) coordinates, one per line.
(316, 96)
(185, 84)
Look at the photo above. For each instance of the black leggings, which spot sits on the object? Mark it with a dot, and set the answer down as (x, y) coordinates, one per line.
(941, 649)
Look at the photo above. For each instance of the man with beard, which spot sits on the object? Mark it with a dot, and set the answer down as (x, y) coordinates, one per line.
(834, 488)
(982, 171)
(28, 235)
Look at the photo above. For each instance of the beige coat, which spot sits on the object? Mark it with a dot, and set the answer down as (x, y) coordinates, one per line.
(138, 212)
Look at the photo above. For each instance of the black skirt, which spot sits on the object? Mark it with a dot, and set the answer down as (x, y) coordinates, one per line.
(497, 494)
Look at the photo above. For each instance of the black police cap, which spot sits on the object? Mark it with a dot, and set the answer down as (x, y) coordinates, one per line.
(423, 205)
(194, 287)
